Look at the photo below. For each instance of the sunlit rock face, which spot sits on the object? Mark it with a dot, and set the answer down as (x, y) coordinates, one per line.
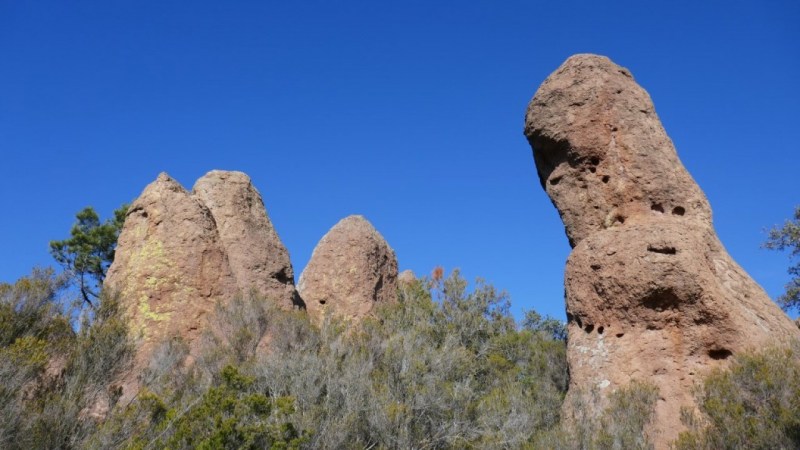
(180, 253)
(651, 293)
(352, 270)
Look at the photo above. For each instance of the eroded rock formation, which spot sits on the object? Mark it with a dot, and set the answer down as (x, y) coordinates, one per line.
(256, 254)
(351, 269)
(651, 293)
(180, 253)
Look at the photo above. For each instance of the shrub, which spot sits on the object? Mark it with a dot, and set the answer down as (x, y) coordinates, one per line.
(754, 404)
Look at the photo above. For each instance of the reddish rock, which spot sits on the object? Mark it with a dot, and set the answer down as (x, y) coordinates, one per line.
(351, 270)
(651, 293)
(406, 277)
(170, 266)
(179, 254)
(256, 254)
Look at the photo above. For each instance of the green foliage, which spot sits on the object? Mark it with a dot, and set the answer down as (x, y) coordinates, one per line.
(444, 367)
(53, 375)
(619, 427)
(755, 405)
(28, 307)
(547, 325)
(235, 415)
(787, 237)
(89, 251)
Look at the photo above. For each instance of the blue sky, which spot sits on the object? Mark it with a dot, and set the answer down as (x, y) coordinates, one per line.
(409, 113)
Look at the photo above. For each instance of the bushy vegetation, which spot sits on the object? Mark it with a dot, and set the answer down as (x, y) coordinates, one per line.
(787, 237)
(755, 404)
(55, 379)
(444, 367)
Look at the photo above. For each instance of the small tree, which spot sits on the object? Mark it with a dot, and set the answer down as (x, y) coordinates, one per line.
(783, 238)
(88, 253)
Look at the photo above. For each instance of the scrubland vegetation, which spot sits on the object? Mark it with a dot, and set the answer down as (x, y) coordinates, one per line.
(445, 367)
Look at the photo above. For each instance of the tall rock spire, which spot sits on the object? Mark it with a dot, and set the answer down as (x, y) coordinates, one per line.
(651, 293)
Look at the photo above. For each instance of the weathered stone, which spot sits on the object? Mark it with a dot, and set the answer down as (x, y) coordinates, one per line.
(170, 266)
(651, 293)
(256, 254)
(406, 277)
(351, 270)
(179, 254)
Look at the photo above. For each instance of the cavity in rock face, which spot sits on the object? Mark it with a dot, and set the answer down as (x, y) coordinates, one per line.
(351, 270)
(181, 253)
(651, 293)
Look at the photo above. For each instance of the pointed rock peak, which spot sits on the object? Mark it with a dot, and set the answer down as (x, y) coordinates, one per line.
(351, 270)
(165, 182)
(257, 256)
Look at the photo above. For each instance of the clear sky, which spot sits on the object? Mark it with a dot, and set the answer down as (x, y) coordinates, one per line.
(409, 113)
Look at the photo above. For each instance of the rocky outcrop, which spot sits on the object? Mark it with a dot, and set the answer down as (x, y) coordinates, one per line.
(179, 253)
(651, 293)
(350, 271)
(256, 254)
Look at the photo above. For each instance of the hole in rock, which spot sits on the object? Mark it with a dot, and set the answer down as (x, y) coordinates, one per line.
(663, 250)
(619, 219)
(554, 181)
(594, 160)
(283, 277)
(578, 321)
(678, 211)
(660, 300)
(619, 335)
(606, 178)
(657, 207)
(596, 266)
(592, 169)
(589, 328)
(720, 353)
(600, 330)
(322, 302)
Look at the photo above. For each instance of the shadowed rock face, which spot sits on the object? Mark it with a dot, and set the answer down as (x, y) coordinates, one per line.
(651, 293)
(351, 270)
(180, 253)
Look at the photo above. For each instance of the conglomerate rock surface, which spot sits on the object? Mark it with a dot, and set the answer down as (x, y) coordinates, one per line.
(651, 293)
(351, 270)
(180, 253)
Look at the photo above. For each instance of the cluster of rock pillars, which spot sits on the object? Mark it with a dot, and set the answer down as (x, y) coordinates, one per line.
(651, 293)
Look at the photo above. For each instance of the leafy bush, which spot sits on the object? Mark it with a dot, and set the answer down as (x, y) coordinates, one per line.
(619, 427)
(444, 367)
(755, 404)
